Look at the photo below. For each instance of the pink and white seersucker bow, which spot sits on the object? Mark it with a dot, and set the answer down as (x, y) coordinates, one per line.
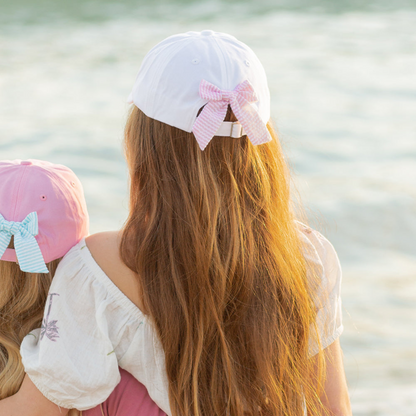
(214, 112)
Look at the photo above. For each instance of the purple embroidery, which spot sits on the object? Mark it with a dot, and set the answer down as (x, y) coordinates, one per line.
(49, 328)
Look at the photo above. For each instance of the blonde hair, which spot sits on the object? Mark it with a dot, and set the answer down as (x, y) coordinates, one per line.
(212, 238)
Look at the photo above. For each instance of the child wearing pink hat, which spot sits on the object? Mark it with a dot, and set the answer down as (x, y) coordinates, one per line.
(43, 214)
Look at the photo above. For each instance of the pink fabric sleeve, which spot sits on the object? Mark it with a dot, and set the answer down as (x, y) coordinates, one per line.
(129, 398)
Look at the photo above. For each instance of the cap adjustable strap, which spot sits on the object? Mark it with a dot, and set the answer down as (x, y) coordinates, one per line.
(231, 129)
(213, 113)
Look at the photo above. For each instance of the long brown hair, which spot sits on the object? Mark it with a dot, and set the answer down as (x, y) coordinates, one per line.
(212, 238)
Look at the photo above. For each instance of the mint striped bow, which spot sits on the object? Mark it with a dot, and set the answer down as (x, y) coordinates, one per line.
(27, 249)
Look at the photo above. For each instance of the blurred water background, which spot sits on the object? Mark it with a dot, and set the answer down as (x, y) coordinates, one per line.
(342, 76)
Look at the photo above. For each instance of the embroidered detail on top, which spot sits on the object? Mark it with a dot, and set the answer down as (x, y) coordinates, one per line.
(110, 353)
(82, 248)
(141, 323)
(49, 328)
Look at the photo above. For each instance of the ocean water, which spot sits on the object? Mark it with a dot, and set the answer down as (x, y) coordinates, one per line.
(342, 77)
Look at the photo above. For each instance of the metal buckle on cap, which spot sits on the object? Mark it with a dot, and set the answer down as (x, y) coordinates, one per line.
(231, 129)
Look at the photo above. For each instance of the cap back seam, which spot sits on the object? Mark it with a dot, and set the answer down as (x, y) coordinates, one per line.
(13, 215)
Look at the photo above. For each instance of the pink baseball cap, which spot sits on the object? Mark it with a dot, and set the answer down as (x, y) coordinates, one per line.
(43, 206)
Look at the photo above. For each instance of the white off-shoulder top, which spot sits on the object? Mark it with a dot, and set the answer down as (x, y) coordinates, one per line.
(90, 328)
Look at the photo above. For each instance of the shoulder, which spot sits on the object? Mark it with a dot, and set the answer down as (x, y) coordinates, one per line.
(316, 245)
(105, 250)
(104, 246)
(324, 279)
(321, 257)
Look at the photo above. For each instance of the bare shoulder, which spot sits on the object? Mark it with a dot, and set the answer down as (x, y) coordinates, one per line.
(104, 248)
(103, 244)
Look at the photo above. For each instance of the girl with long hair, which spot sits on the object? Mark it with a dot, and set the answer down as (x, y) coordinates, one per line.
(213, 295)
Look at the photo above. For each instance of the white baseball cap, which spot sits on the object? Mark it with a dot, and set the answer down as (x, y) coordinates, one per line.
(184, 72)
